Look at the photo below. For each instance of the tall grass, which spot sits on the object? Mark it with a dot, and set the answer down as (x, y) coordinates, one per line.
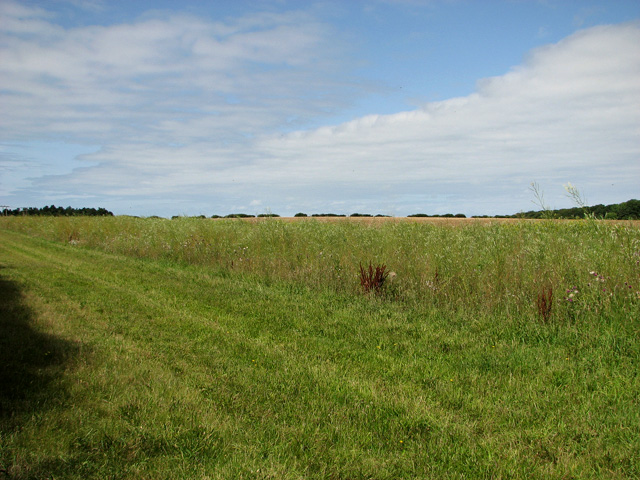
(476, 266)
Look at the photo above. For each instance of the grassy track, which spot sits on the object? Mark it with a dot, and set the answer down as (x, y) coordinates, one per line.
(121, 367)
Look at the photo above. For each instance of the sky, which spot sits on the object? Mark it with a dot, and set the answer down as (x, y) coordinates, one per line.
(391, 107)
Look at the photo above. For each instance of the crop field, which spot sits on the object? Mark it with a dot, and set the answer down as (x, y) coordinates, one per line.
(145, 348)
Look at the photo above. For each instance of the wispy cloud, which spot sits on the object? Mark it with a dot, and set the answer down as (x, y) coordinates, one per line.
(174, 77)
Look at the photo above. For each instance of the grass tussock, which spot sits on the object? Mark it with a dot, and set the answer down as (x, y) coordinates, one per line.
(373, 280)
(148, 348)
(545, 303)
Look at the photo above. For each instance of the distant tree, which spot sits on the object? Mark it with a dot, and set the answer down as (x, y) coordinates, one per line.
(239, 215)
(629, 210)
(599, 211)
(300, 214)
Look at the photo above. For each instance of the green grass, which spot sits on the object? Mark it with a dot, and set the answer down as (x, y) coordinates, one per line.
(139, 348)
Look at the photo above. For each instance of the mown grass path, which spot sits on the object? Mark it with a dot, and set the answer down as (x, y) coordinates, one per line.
(115, 367)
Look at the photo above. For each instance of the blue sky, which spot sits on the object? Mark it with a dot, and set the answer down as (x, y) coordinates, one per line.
(383, 106)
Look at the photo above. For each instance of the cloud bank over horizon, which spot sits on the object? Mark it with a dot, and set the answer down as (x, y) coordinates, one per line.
(173, 113)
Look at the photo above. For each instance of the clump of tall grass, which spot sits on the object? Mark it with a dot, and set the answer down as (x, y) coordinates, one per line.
(373, 280)
(545, 303)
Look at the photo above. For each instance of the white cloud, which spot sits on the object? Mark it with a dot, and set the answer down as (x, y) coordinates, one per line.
(162, 76)
(189, 108)
(572, 85)
(572, 110)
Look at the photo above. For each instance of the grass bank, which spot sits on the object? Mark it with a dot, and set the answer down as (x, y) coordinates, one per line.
(130, 359)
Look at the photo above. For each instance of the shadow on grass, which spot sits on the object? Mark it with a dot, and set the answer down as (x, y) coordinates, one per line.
(31, 362)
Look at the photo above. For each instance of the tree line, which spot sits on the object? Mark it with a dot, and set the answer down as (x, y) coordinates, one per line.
(629, 210)
(53, 211)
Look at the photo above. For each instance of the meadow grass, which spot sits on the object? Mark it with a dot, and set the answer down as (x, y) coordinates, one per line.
(148, 348)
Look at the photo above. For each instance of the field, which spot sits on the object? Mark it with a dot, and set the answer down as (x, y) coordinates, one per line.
(230, 349)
